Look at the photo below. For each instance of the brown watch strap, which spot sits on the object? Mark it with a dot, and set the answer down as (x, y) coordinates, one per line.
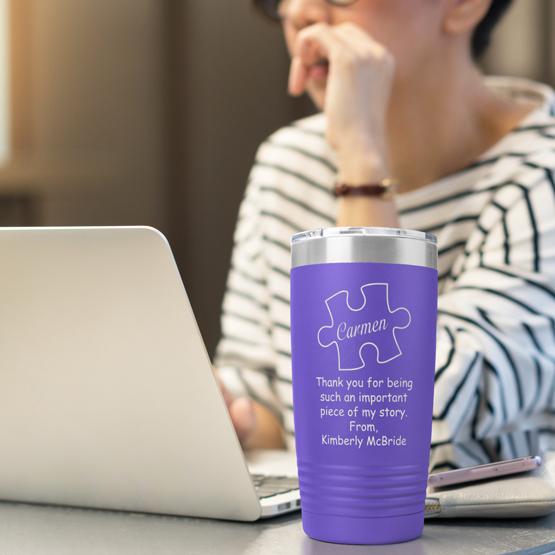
(382, 189)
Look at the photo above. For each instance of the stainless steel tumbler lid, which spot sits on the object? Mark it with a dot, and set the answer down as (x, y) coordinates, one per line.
(364, 244)
(374, 231)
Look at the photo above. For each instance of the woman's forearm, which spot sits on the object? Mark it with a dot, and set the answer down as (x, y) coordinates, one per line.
(366, 211)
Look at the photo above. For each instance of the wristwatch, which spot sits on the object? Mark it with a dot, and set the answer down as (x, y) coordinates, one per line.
(384, 189)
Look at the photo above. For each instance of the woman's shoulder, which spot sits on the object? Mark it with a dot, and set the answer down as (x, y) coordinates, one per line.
(293, 176)
(524, 159)
(530, 143)
(302, 141)
(314, 125)
(296, 159)
(529, 158)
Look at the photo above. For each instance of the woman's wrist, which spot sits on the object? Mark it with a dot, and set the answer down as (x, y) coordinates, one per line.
(364, 210)
(355, 211)
(361, 167)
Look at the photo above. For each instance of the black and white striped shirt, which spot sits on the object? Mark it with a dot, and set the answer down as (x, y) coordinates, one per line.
(495, 223)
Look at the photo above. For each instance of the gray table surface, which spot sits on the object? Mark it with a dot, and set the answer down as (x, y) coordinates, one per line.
(29, 529)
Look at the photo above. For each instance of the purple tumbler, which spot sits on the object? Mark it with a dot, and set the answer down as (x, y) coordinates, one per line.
(363, 339)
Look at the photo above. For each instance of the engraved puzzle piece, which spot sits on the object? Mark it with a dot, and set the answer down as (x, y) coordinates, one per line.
(373, 323)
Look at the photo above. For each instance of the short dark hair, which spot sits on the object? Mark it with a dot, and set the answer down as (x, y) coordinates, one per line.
(481, 37)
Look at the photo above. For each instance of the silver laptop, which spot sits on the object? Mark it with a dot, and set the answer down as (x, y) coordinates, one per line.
(107, 396)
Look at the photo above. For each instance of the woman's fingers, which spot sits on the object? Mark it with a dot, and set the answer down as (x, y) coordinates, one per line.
(357, 93)
(344, 45)
(359, 40)
(298, 74)
(314, 44)
(241, 411)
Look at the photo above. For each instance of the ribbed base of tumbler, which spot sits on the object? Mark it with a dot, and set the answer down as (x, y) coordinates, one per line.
(364, 531)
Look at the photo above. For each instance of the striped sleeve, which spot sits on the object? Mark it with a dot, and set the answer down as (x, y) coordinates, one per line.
(244, 356)
(495, 364)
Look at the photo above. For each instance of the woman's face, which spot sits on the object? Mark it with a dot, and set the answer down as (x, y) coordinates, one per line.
(409, 29)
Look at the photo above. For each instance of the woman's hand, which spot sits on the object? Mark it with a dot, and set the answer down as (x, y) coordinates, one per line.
(241, 411)
(360, 76)
(255, 425)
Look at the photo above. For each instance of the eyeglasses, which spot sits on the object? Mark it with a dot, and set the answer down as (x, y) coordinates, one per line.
(272, 7)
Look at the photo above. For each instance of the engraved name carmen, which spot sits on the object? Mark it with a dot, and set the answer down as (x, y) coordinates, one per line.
(366, 328)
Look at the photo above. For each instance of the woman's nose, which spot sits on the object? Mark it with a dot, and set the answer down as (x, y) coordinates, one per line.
(302, 13)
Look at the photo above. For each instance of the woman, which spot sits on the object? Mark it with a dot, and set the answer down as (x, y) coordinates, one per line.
(401, 97)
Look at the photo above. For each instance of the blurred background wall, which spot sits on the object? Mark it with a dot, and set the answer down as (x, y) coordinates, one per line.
(88, 111)
(150, 111)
